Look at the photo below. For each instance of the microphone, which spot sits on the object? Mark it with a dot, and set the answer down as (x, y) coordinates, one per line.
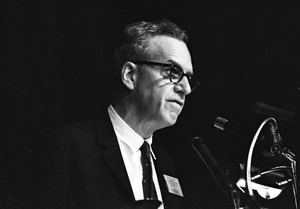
(219, 174)
(233, 128)
(281, 114)
(276, 139)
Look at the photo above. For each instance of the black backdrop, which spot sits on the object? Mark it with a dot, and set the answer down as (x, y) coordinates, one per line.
(57, 59)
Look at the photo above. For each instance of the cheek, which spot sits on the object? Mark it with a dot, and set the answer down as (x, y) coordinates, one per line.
(152, 94)
(149, 100)
(155, 95)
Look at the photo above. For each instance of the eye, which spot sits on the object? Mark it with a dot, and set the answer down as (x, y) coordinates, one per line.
(175, 72)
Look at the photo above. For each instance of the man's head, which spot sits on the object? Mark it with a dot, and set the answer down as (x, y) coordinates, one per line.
(155, 68)
(135, 39)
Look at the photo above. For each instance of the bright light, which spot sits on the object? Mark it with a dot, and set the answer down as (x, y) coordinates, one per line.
(266, 192)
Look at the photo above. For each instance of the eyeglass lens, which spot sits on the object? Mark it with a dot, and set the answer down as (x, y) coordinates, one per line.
(177, 74)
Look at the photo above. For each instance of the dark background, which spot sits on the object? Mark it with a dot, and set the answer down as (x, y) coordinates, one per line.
(56, 68)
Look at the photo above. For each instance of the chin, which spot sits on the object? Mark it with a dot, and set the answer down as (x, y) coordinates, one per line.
(168, 118)
(172, 118)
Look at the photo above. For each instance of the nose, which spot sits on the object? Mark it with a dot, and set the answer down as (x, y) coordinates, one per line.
(183, 86)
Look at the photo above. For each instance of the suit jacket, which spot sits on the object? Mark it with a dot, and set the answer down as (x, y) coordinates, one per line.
(84, 169)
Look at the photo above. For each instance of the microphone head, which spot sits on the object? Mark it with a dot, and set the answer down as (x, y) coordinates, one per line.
(196, 141)
(220, 123)
(265, 109)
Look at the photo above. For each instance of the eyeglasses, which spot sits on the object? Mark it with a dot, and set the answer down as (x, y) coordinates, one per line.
(175, 73)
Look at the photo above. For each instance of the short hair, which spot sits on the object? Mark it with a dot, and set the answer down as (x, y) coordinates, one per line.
(136, 37)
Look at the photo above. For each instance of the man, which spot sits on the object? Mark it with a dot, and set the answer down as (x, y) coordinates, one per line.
(100, 164)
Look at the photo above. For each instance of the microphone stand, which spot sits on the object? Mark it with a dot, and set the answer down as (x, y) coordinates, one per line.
(287, 154)
(234, 197)
(275, 149)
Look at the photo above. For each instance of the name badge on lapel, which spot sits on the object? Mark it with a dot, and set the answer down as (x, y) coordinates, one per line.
(173, 185)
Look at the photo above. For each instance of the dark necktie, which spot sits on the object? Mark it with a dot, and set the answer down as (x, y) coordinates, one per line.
(148, 185)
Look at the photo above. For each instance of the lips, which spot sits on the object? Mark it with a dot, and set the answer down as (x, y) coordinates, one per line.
(179, 102)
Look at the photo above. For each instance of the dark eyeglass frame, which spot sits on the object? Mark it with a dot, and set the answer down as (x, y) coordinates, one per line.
(193, 82)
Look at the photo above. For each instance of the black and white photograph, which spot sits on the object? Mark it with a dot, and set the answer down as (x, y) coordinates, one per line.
(139, 104)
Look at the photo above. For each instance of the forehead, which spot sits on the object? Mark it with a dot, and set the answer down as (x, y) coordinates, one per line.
(170, 50)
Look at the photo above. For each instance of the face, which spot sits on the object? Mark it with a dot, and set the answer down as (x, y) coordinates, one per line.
(157, 99)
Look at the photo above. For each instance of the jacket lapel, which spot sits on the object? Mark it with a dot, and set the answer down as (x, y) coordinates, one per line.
(106, 137)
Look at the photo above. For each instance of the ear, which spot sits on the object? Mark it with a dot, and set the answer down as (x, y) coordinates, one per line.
(129, 75)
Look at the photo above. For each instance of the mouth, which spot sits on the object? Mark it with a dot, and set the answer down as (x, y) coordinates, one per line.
(179, 102)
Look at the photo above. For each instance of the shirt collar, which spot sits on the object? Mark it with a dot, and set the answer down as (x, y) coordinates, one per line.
(126, 134)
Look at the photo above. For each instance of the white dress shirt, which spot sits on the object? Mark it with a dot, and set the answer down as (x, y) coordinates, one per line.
(130, 143)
